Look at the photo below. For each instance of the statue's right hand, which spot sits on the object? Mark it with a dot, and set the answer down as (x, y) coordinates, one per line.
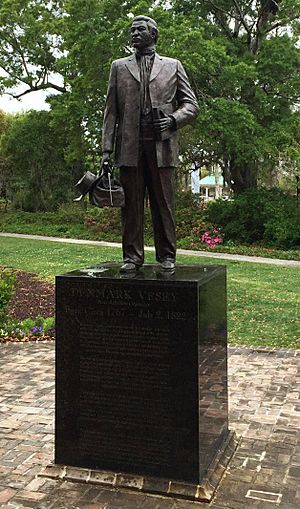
(105, 160)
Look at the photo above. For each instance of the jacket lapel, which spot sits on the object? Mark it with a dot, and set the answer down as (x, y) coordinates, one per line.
(157, 66)
(133, 68)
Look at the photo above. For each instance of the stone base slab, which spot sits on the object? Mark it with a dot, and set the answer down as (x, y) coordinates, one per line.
(200, 492)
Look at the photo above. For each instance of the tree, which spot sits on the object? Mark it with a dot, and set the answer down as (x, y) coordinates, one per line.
(33, 150)
(241, 56)
(64, 46)
(30, 45)
(3, 122)
(248, 97)
(4, 166)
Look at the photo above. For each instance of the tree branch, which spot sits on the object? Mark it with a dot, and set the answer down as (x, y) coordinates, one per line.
(242, 17)
(36, 88)
(20, 51)
(217, 8)
(221, 21)
(275, 94)
(9, 73)
(224, 25)
(15, 45)
(237, 26)
(267, 11)
(281, 24)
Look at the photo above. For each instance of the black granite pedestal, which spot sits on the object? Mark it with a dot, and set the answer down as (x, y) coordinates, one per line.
(141, 372)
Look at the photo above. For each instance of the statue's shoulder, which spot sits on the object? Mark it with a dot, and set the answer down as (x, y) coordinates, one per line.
(168, 60)
(122, 61)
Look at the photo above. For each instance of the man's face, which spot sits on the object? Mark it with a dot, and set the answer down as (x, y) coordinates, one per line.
(140, 35)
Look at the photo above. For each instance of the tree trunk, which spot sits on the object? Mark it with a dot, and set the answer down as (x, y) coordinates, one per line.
(217, 181)
(243, 176)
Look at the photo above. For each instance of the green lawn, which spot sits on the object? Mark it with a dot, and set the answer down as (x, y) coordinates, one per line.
(263, 300)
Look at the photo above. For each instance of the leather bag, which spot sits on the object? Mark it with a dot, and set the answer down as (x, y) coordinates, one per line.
(107, 191)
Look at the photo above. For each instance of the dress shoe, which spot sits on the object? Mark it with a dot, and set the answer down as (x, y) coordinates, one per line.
(129, 267)
(167, 265)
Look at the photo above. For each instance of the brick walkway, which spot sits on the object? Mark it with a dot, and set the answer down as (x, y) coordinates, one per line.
(264, 409)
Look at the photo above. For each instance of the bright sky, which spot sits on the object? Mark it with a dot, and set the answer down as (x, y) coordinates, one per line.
(32, 101)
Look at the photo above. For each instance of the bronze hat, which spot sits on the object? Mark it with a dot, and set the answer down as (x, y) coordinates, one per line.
(84, 184)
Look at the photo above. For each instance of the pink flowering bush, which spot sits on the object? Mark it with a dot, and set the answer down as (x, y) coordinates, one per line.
(212, 237)
(206, 233)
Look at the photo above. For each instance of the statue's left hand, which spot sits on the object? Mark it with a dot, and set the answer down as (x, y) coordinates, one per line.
(163, 124)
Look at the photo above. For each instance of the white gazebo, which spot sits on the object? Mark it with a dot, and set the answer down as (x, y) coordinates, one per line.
(213, 187)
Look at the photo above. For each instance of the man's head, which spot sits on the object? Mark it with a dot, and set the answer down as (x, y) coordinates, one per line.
(144, 32)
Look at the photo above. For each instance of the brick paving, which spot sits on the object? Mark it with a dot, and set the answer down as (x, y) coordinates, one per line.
(264, 409)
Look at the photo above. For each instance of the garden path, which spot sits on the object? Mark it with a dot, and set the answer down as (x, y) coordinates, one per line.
(207, 254)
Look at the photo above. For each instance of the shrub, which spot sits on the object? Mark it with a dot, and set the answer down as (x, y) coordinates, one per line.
(106, 220)
(7, 289)
(265, 216)
(188, 199)
(106, 223)
(212, 237)
(71, 213)
(283, 232)
(187, 219)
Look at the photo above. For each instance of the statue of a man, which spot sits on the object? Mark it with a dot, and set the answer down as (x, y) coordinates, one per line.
(149, 98)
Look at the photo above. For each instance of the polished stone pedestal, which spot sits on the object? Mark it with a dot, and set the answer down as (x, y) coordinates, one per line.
(141, 372)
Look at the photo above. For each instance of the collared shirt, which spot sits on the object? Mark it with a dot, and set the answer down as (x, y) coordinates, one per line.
(145, 63)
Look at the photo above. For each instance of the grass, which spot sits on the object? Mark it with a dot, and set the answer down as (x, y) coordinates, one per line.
(263, 300)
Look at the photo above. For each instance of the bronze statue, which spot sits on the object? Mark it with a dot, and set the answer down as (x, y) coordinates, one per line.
(149, 98)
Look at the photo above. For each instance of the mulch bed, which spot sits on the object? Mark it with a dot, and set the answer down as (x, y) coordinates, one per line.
(32, 298)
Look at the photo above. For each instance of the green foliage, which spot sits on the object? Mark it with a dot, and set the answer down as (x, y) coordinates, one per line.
(4, 166)
(27, 325)
(69, 213)
(283, 230)
(40, 178)
(28, 329)
(105, 220)
(7, 289)
(3, 122)
(30, 32)
(187, 219)
(106, 224)
(4, 205)
(263, 224)
(248, 97)
(242, 59)
(269, 217)
(48, 324)
(37, 326)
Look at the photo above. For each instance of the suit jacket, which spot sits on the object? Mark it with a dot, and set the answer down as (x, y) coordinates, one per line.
(169, 90)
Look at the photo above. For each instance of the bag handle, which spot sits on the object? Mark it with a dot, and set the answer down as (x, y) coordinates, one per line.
(110, 190)
(108, 171)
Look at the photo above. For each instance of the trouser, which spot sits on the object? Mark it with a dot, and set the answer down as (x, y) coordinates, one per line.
(160, 183)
